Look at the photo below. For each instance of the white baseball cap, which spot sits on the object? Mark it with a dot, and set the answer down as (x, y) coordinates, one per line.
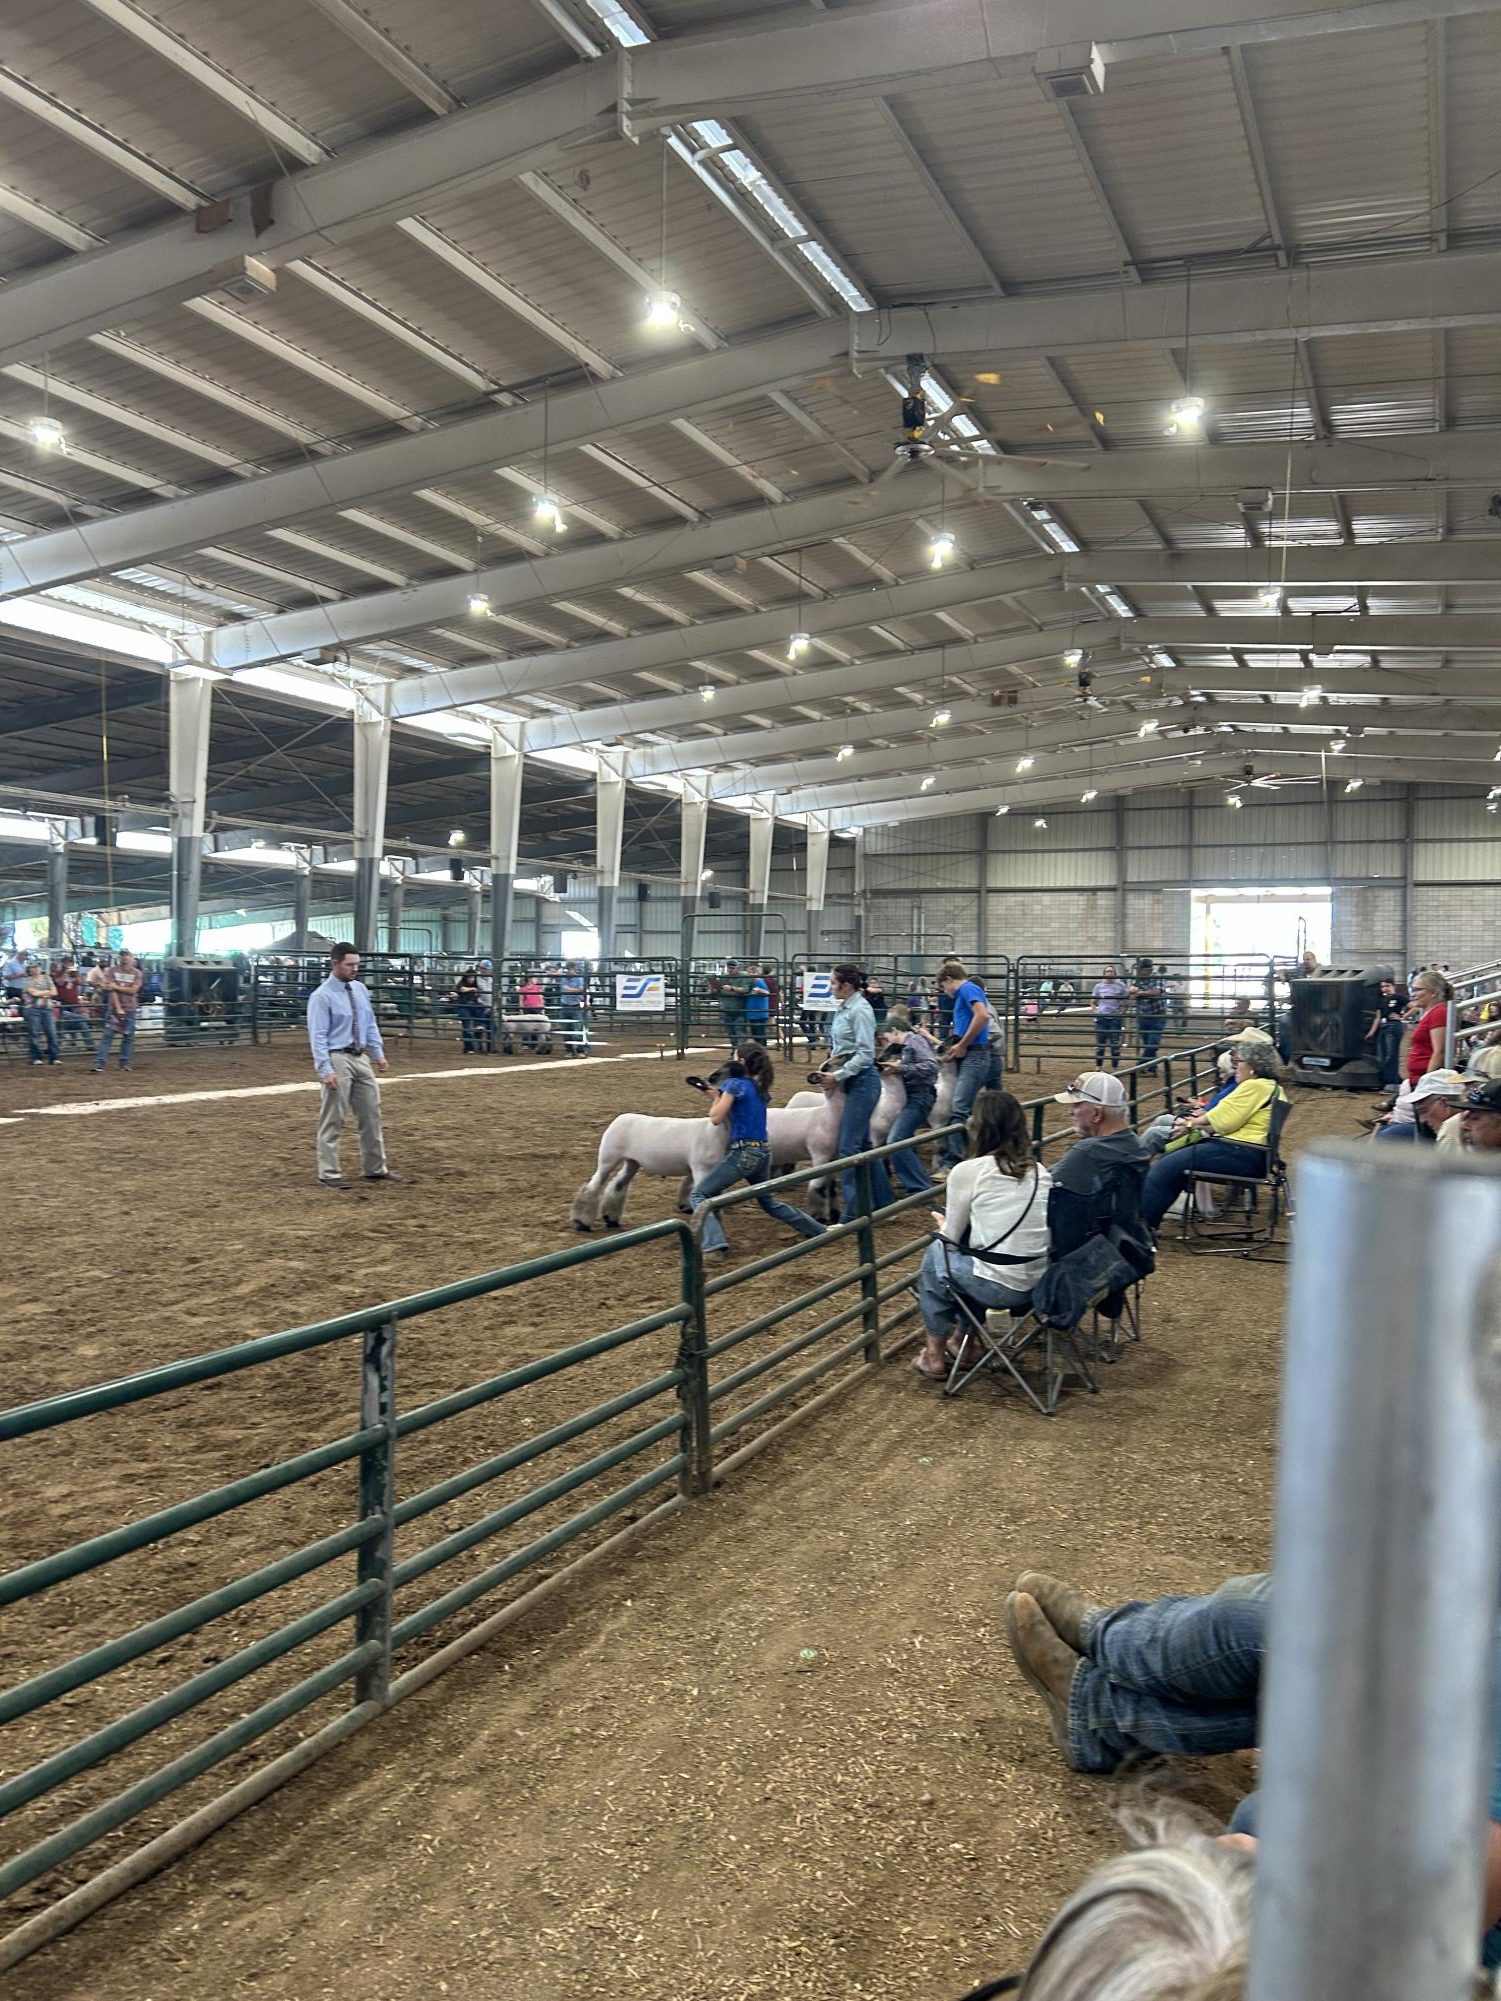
(1095, 1087)
(1439, 1084)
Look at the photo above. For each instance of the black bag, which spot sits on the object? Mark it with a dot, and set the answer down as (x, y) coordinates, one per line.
(1070, 1284)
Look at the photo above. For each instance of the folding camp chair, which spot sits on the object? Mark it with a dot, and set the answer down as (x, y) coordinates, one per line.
(1251, 1230)
(986, 1336)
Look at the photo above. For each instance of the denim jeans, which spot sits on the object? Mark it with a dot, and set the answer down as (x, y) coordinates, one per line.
(575, 1025)
(125, 1027)
(72, 1021)
(1168, 1177)
(861, 1096)
(979, 1071)
(935, 1288)
(1107, 1032)
(733, 1020)
(908, 1167)
(41, 1032)
(1149, 1028)
(750, 1161)
(474, 1022)
(1388, 1050)
(1178, 1677)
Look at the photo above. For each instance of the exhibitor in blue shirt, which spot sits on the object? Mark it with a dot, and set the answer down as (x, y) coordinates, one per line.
(966, 999)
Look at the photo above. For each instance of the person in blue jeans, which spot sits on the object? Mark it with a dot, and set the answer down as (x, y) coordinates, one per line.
(758, 1009)
(1171, 1677)
(1149, 991)
(974, 1051)
(740, 1101)
(917, 1061)
(852, 1062)
(1109, 997)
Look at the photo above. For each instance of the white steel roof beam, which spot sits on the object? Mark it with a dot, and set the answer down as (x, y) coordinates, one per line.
(1341, 684)
(393, 58)
(1321, 632)
(46, 220)
(123, 158)
(1147, 766)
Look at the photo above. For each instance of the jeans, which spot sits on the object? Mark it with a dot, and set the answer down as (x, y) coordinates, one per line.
(936, 1290)
(1150, 1029)
(125, 1026)
(861, 1095)
(1168, 1177)
(734, 1025)
(758, 1029)
(72, 1021)
(908, 1167)
(1388, 1050)
(474, 1020)
(575, 1025)
(749, 1160)
(41, 1032)
(1178, 1677)
(979, 1071)
(1107, 1030)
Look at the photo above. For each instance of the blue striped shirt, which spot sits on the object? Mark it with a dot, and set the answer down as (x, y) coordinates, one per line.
(339, 1013)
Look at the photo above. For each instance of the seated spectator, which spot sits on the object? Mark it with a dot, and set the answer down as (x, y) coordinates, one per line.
(1481, 1117)
(71, 1019)
(917, 1061)
(1167, 1125)
(13, 974)
(995, 1222)
(1239, 1016)
(1484, 1059)
(1435, 1100)
(1230, 1139)
(37, 997)
(1082, 1198)
(1170, 1919)
(1431, 994)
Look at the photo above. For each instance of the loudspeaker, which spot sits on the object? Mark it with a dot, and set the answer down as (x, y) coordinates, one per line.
(643, 891)
(713, 899)
(455, 869)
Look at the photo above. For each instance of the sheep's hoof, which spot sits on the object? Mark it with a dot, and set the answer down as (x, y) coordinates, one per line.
(609, 1225)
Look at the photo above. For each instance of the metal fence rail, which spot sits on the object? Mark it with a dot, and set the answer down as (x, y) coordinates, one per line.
(718, 1382)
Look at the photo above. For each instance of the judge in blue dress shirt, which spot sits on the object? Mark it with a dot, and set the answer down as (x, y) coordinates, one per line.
(347, 1052)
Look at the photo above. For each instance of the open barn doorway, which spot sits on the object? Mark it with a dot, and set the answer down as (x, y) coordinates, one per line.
(1255, 922)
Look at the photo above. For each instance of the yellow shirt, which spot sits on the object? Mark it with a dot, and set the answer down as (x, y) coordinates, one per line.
(1245, 1116)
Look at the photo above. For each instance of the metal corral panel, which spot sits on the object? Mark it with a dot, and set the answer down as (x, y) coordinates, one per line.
(1003, 155)
(1167, 143)
(1344, 121)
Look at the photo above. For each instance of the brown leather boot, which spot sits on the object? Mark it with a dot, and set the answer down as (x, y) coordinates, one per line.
(1046, 1661)
(1064, 1606)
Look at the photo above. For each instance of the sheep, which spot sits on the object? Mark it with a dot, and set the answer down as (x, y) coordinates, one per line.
(688, 1148)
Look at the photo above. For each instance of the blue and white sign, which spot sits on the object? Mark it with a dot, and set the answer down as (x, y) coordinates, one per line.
(640, 993)
(818, 993)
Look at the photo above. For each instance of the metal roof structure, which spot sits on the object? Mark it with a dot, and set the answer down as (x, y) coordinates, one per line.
(538, 365)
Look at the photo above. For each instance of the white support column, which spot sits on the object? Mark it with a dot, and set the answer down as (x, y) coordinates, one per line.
(474, 889)
(396, 897)
(506, 778)
(609, 826)
(57, 885)
(302, 900)
(189, 707)
(817, 872)
(763, 826)
(859, 913)
(695, 827)
(372, 759)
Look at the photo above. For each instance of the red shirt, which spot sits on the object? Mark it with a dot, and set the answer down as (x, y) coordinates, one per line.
(1420, 1049)
(67, 989)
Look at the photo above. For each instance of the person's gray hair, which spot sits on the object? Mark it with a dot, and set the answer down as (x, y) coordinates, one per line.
(1262, 1060)
(1168, 1921)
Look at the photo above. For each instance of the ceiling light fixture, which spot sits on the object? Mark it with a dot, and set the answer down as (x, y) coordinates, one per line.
(1310, 695)
(1040, 822)
(1354, 784)
(1269, 597)
(798, 645)
(1085, 797)
(479, 605)
(1188, 414)
(940, 717)
(1025, 763)
(707, 692)
(548, 514)
(664, 311)
(1235, 800)
(1337, 744)
(940, 549)
(457, 838)
(928, 783)
(706, 875)
(1075, 656)
(48, 435)
(1150, 727)
(1001, 812)
(845, 750)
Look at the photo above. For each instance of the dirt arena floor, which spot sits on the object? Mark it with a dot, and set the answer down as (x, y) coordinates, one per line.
(775, 1748)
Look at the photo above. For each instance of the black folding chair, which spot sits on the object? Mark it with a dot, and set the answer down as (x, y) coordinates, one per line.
(1253, 1230)
(987, 1337)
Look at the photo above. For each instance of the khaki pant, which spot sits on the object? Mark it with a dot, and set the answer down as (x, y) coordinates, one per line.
(358, 1092)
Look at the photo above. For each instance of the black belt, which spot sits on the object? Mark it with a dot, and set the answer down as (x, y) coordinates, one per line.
(349, 1049)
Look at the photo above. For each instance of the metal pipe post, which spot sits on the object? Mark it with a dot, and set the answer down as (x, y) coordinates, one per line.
(396, 897)
(1377, 1709)
(1451, 1025)
(189, 701)
(377, 1497)
(57, 887)
(302, 906)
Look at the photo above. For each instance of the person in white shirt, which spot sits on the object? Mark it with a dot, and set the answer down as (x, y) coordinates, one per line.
(996, 1203)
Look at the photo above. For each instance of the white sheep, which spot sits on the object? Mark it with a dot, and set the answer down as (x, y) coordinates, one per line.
(685, 1150)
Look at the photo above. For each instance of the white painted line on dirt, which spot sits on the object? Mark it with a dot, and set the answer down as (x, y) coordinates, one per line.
(86, 1107)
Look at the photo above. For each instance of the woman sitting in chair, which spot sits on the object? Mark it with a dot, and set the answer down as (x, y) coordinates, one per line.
(992, 1245)
(1230, 1138)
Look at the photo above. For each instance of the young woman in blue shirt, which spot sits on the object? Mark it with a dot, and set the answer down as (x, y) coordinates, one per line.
(852, 1060)
(740, 1103)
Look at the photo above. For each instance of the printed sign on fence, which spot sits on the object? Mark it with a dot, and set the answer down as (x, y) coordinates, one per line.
(818, 993)
(640, 993)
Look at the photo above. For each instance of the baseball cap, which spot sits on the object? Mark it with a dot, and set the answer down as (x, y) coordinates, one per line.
(1252, 1035)
(1484, 1095)
(1439, 1084)
(1095, 1087)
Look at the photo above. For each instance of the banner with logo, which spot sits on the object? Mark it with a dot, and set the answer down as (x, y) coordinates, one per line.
(817, 993)
(640, 993)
